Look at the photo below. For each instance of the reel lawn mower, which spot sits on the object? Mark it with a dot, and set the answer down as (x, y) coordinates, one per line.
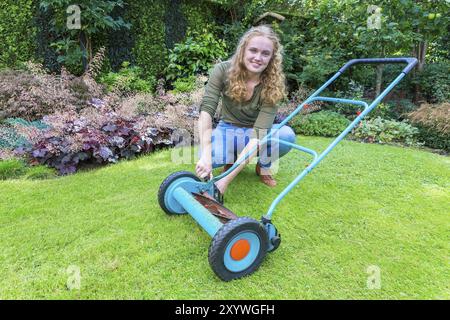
(239, 244)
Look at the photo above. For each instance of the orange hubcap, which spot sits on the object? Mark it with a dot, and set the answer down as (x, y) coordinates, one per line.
(240, 249)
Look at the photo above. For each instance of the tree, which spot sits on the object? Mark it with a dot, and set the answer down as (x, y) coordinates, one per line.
(425, 22)
(77, 32)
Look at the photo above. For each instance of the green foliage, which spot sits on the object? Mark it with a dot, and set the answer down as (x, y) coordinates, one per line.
(17, 168)
(13, 168)
(148, 27)
(119, 45)
(69, 54)
(17, 32)
(231, 35)
(38, 124)
(354, 91)
(434, 82)
(129, 79)
(226, 4)
(323, 123)
(195, 55)
(184, 84)
(433, 138)
(45, 36)
(293, 43)
(420, 20)
(379, 130)
(198, 15)
(398, 109)
(40, 172)
(382, 110)
(95, 19)
(174, 23)
(319, 65)
(95, 14)
(319, 36)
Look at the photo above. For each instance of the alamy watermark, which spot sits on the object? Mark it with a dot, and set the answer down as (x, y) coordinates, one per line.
(374, 20)
(74, 18)
(74, 278)
(227, 146)
(374, 278)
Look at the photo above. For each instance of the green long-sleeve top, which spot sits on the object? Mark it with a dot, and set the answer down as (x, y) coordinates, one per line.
(251, 113)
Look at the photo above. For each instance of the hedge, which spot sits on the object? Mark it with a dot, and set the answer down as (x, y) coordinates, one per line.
(17, 32)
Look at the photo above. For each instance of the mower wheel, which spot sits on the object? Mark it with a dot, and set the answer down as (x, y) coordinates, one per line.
(238, 248)
(166, 201)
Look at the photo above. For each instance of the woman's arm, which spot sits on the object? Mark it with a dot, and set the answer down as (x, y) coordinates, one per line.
(204, 165)
(208, 108)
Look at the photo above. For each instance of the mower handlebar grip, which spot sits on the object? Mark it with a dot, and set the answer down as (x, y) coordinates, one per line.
(410, 61)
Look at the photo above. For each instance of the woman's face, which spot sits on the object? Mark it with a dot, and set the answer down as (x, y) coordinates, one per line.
(257, 54)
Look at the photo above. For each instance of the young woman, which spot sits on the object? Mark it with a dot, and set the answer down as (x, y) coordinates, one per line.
(250, 85)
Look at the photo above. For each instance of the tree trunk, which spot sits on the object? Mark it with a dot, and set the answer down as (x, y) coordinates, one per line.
(379, 79)
(233, 15)
(89, 49)
(83, 46)
(421, 50)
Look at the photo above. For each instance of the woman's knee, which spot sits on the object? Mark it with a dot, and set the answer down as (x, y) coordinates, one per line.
(287, 134)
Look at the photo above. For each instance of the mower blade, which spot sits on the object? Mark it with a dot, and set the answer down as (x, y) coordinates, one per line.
(215, 207)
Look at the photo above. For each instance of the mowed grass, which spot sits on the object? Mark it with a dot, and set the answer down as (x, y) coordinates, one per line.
(364, 207)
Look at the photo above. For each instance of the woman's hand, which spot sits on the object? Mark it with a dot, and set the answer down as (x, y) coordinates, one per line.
(204, 167)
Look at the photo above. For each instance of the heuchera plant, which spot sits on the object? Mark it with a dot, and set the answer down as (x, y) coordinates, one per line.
(101, 136)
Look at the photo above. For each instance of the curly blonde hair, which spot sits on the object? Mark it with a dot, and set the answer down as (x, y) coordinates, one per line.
(272, 78)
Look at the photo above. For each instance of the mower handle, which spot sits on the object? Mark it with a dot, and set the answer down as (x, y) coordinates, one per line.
(410, 61)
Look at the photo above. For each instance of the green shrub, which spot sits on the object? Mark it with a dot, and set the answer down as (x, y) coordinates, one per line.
(147, 18)
(198, 14)
(323, 123)
(40, 172)
(16, 168)
(196, 55)
(400, 108)
(128, 80)
(184, 84)
(354, 91)
(432, 138)
(13, 168)
(434, 82)
(379, 130)
(76, 46)
(382, 110)
(17, 32)
(318, 65)
(231, 35)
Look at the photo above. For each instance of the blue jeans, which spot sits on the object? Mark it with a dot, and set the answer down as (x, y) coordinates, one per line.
(229, 140)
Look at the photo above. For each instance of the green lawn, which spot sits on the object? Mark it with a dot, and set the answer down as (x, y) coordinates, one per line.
(364, 205)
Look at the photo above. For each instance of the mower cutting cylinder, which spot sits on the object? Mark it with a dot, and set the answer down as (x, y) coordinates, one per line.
(238, 245)
(200, 214)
